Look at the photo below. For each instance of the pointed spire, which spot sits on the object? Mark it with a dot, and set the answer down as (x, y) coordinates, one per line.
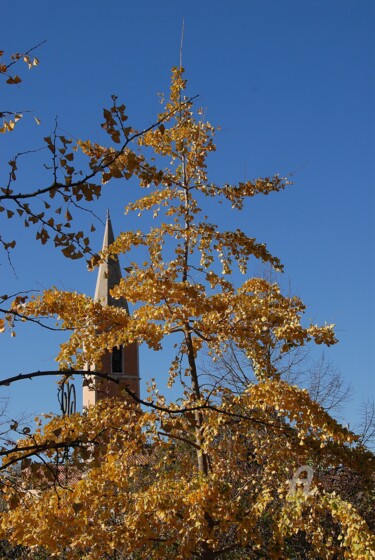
(109, 274)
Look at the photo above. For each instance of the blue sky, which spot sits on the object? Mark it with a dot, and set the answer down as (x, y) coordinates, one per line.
(292, 86)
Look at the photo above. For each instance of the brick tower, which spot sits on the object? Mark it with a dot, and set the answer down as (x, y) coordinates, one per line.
(122, 363)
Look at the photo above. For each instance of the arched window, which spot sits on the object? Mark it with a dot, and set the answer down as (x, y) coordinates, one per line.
(117, 360)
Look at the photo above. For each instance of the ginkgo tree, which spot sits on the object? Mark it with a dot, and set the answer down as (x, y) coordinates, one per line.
(212, 475)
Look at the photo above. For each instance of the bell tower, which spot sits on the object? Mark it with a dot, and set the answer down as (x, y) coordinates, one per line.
(122, 363)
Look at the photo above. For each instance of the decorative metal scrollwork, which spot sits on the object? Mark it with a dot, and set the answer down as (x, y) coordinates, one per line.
(67, 399)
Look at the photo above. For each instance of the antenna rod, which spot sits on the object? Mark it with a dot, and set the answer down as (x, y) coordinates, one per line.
(182, 41)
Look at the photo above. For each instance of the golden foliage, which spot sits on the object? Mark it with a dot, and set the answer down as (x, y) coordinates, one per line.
(209, 475)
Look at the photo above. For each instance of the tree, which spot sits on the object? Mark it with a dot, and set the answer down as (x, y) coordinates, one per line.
(214, 474)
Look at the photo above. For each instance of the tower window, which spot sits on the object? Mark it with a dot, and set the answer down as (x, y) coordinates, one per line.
(117, 360)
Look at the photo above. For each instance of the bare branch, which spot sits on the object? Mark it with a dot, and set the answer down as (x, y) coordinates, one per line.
(367, 426)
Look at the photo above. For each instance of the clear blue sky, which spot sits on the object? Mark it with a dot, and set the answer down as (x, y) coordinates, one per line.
(291, 84)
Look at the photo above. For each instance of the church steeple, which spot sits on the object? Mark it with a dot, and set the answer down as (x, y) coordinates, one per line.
(122, 362)
(109, 274)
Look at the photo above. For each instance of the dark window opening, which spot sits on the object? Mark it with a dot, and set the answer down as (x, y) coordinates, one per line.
(117, 360)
